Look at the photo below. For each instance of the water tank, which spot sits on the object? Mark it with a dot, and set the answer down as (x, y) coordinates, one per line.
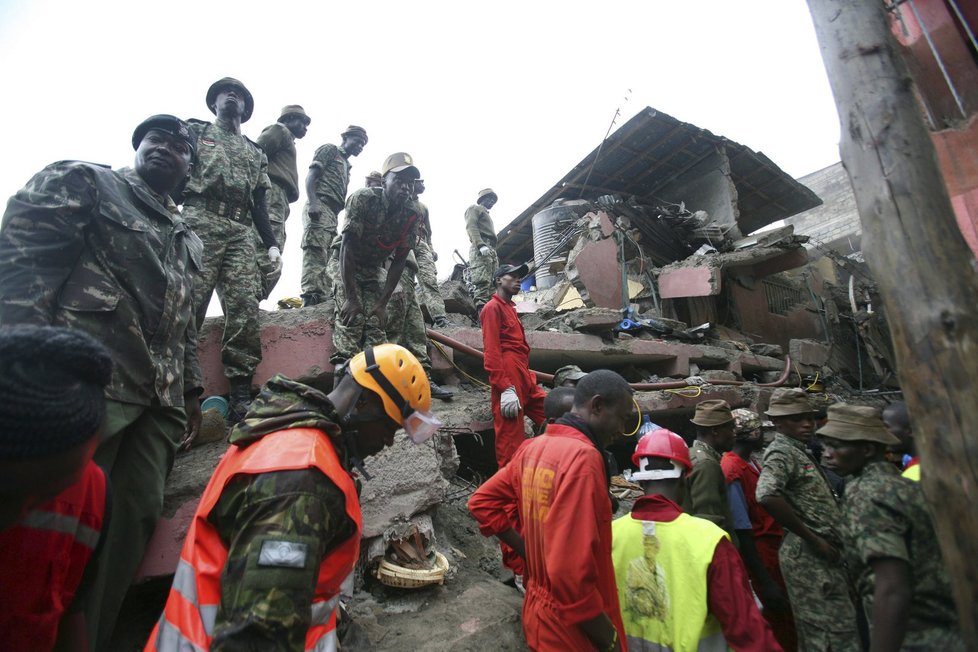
(549, 227)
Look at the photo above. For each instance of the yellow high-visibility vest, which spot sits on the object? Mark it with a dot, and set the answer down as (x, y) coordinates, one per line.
(661, 572)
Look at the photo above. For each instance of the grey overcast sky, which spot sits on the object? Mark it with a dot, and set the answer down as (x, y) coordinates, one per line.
(504, 94)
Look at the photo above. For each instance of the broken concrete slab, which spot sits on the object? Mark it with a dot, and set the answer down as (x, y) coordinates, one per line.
(600, 272)
(809, 352)
(681, 282)
(593, 320)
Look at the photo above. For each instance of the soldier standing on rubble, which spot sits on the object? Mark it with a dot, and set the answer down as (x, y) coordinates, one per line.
(482, 254)
(278, 142)
(326, 186)
(224, 198)
(106, 252)
(558, 487)
(278, 527)
(794, 490)
(892, 547)
(381, 228)
(430, 294)
(707, 495)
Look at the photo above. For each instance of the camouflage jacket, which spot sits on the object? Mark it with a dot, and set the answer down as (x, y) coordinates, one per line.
(707, 488)
(335, 177)
(229, 167)
(478, 224)
(278, 144)
(791, 472)
(268, 608)
(886, 518)
(90, 248)
(383, 229)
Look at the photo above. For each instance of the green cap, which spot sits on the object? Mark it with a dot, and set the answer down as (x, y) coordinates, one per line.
(856, 423)
(223, 83)
(295, 109)
(713, 412)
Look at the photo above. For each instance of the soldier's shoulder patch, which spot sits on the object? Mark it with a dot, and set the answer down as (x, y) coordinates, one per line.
(208, 142)
(283, 554)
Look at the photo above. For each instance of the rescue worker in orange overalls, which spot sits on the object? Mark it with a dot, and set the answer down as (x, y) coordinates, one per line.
(54, 500)
(278, 527)
(558, 482)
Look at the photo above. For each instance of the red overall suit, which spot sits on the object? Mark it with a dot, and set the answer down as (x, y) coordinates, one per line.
(557, 481)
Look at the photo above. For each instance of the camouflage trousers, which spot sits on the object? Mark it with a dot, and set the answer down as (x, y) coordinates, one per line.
(481, 269)
(278, 213)
(230, 268)
(316, 240)
(405, 324)
(350, 340)
(825, 617)
(428, 291)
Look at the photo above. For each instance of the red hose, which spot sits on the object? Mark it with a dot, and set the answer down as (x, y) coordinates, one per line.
(639, 387)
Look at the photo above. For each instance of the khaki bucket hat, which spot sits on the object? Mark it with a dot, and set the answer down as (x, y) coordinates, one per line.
(714, 412)
(786, 402)
(856, 423)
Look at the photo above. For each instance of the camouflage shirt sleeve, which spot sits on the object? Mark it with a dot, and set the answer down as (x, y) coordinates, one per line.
(263, 180)
(42, 236)
(775, 474)
(357, 206)
(267, 607)
(323, 156)
(473, 215)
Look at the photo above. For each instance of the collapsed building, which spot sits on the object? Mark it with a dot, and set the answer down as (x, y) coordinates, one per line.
(649, 257)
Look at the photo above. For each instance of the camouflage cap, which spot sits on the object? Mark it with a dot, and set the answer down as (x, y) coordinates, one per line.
(788, 401)
(399, 162)
(486, 192)
(296, 110)
(167, 124)
(223, 83)
(374, 176)
(712, 412)
(746, 422)
(354, 130)
(856, 423)
(568, 372)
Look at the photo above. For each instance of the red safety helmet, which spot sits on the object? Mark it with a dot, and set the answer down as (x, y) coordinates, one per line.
(662, 443)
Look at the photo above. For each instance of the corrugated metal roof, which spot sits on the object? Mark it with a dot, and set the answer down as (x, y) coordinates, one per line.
(650, 151)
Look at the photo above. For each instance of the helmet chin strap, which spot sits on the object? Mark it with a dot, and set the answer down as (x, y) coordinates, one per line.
(350, 434)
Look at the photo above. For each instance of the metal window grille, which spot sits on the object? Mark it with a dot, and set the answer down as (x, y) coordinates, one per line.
(781, 296)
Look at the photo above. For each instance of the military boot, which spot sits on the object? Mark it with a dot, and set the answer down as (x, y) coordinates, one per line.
(239, 399)
(439, 392)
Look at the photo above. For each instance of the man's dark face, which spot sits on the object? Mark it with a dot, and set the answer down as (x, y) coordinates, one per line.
(419, 187)
(353, 145)
(374, 182)
(609, 420)
(163, 160)
(488, 201)
(398, 186)
(509, 283)
(844, 457)
(296, 125)
(797, 426)
(230, 102)
(723, 436)
(375, 430)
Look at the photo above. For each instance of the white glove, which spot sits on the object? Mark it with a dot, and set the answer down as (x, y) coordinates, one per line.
(509, 404)
(274, 255)
(483, 250)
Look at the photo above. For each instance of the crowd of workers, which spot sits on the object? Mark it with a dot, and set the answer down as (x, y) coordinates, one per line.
(104, 282)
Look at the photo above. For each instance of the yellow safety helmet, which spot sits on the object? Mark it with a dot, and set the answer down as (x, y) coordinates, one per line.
(393, 373)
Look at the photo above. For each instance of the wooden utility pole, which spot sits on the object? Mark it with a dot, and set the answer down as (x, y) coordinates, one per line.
(927, 276)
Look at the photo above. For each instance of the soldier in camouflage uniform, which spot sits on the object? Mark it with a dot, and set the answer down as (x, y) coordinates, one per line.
(381, 229)
(374, 180)
(405, 324)
(430, 294)
(793, 489)
(326, 185)
(706, 495)
(223, 200)
(482, 253)
(890, 541)
(278, 143)
(275, 535)
(106, 252)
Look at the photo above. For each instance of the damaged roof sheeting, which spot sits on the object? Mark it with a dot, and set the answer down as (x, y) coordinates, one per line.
(652, 155)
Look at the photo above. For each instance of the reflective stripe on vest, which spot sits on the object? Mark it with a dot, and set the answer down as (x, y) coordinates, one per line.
(64, 524)
(661, 573)
(189, 616)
